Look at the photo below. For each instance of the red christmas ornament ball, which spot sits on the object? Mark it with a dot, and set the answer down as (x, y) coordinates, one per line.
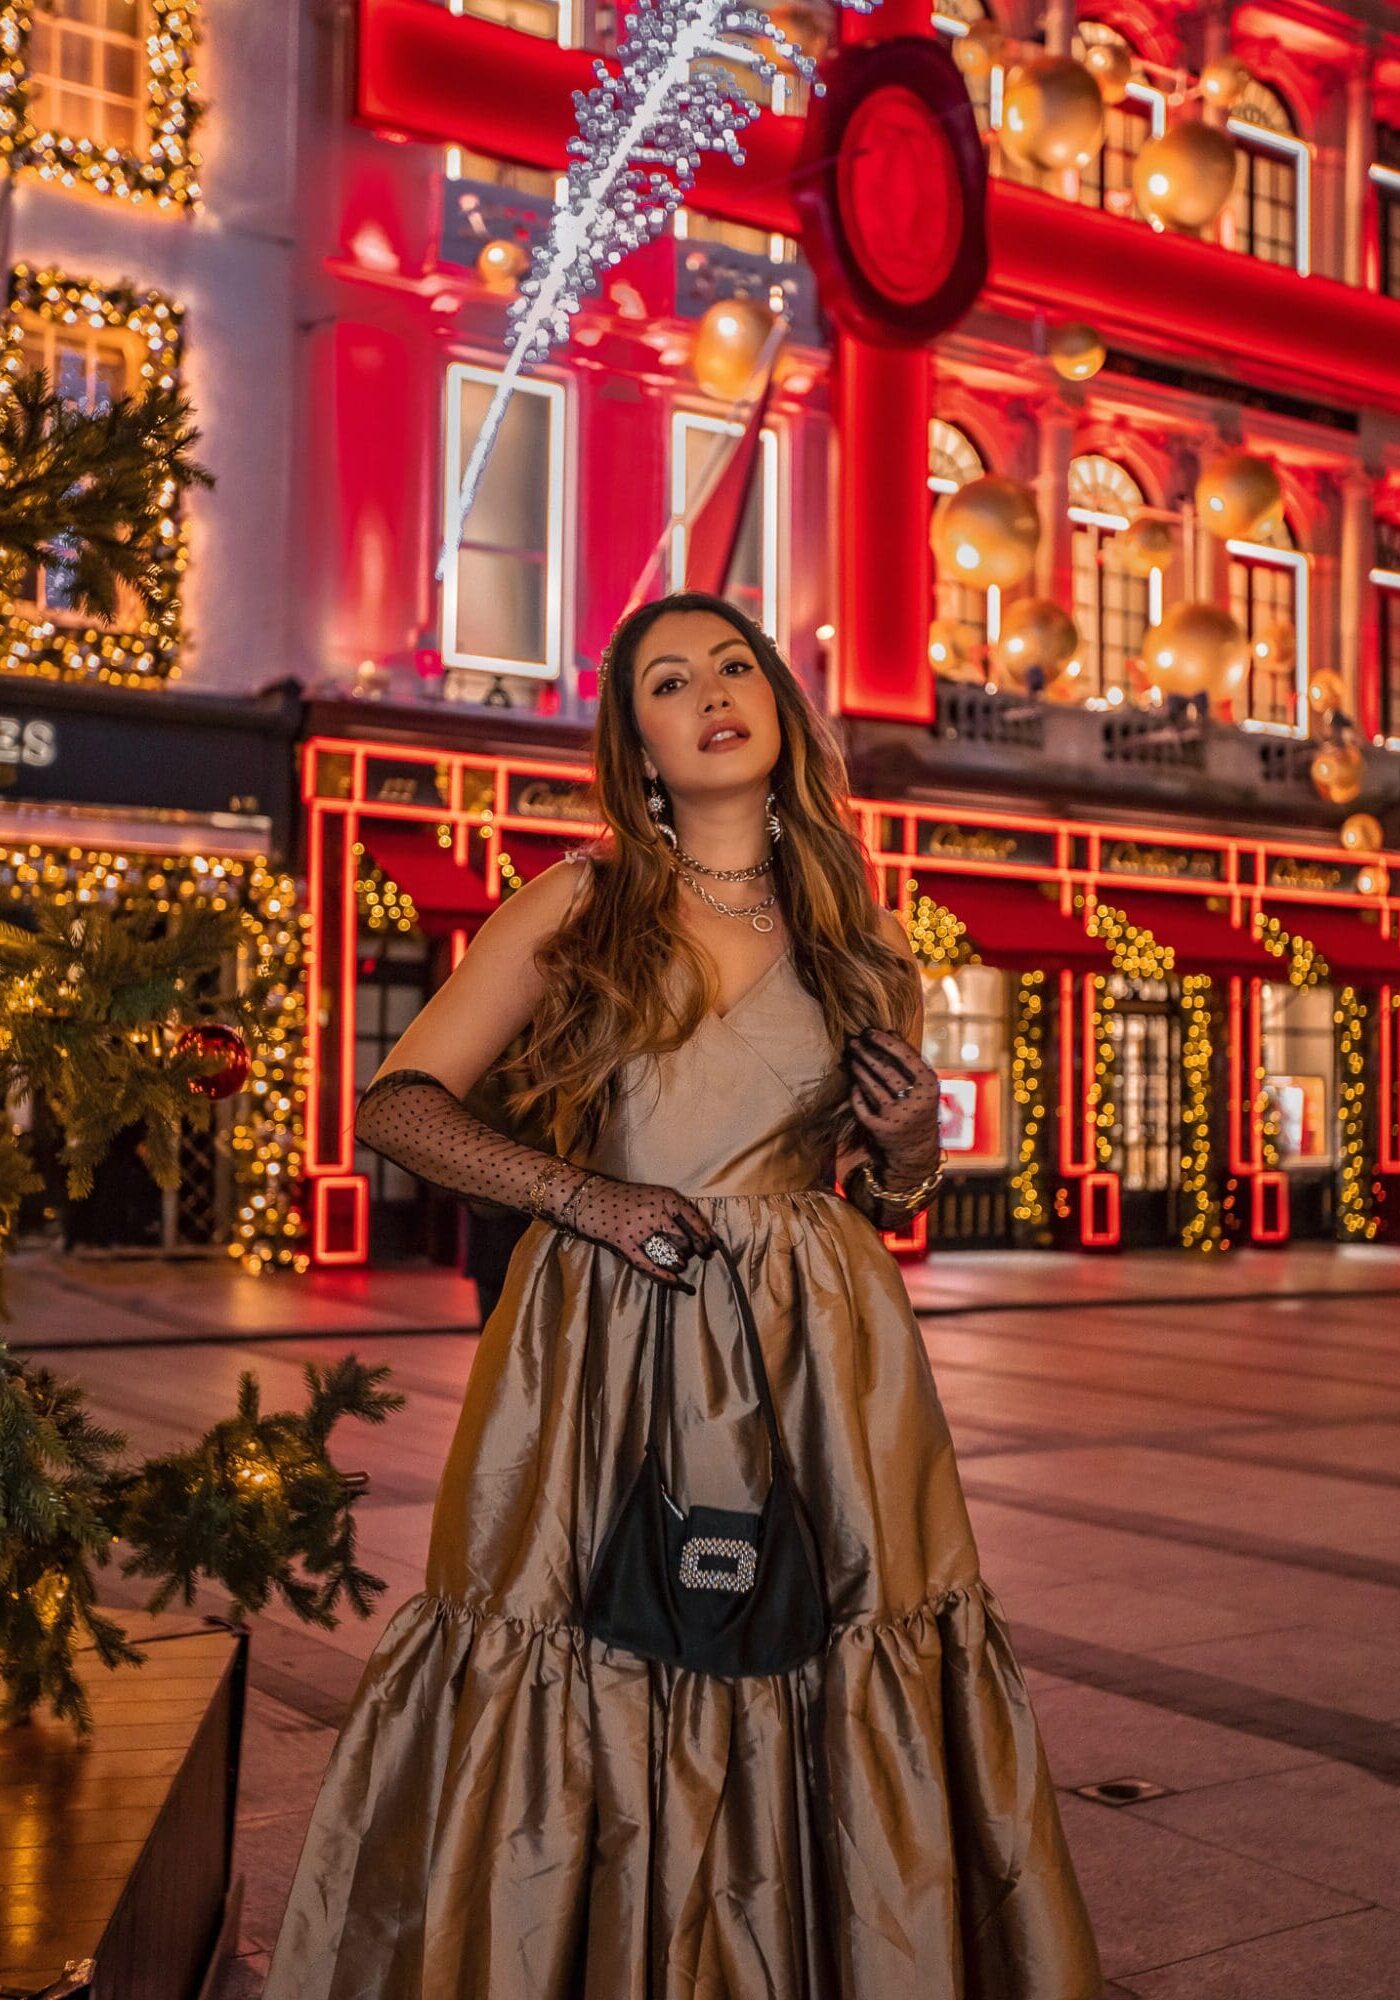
(216, 1041)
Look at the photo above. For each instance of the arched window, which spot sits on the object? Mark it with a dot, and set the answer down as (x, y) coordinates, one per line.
(952, 19)
(953, 459)
(1268, 213)
(1111, 608)
(1269, 586)
(1386, 578)
(1107, 182)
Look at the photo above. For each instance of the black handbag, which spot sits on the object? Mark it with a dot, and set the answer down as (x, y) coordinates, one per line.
(715, 1590)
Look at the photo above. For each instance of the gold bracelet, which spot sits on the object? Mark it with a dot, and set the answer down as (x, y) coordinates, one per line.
(549, 1172)
(911, 1198)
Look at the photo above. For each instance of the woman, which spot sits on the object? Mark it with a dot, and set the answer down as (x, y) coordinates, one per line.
(723, 1021)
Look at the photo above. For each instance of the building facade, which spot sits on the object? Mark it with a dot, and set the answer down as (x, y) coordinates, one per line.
(1160, 989)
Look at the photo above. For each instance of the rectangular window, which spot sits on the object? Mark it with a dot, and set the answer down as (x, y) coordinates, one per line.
(1269, 210)
(553, 23)
(753, 578)
(1269, 587)
(1385, 579)
(502, 599)
(88, 69)
(1107, 182)
(966, 1040)
(1111, 608)
(1299, 1097)
(1385, 179)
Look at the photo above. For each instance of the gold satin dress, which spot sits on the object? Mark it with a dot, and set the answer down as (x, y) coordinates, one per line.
(514, 1811)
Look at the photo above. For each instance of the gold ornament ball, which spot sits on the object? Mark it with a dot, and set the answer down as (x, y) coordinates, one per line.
(1327, 693)
(978, 52)
(728, 341)
(1145, 545)
(987, 532)
(1052, 114)
(1237, 494)
(1373, 880)
(1197, 649)
(1110, 64)
(501, 264)
(1276, 647)
(952, 647)
(1183, 179)
(1338, 773)
(1076, 352)
(1035, 632)
(1361, 833)
(1224, 82)
(1070, 685)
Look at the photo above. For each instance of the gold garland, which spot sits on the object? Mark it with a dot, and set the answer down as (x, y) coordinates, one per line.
(1306, 965)
(383, 905)
(938, 938)
(1027, 1087)
(1133, 948)
(269, 1133)
(167, 174)
(1354, 1205)
(1204, 1224)
(43, 647)
(1102, 1084)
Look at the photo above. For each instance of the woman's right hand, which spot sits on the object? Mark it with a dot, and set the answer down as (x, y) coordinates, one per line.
(621, 1215)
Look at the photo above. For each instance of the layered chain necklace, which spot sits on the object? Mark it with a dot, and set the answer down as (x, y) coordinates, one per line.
(753, 913)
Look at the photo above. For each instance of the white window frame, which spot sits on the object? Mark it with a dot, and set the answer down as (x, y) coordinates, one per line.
(563, 15)
(1300, 152)
(770, 494)
(1389, 580)
(454, 465)
(1297, 561)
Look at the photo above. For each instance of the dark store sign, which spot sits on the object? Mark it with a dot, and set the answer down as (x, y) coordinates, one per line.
(25, 740)
(552, 798)
(985, 843)
(1288, 871)
(1185, 864)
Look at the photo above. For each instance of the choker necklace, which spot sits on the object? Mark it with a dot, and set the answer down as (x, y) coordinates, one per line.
(727, 874)
(753, 914)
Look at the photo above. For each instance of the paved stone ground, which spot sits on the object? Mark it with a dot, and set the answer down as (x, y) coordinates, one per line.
(1184, 1479)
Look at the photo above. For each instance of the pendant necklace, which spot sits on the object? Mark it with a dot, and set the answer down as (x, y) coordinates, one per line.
(754, 914)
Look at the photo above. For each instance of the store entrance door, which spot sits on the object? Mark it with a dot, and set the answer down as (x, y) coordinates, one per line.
(1146, 1034)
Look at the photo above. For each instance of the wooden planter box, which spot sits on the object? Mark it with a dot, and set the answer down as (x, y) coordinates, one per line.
(120, 1849)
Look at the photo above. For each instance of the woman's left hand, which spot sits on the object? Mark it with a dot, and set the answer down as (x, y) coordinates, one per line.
(895, 1095)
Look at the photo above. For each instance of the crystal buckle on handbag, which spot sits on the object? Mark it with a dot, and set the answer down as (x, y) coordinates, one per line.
(695, 1578)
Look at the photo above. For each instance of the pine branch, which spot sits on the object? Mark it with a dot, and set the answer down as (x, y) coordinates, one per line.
(91, 492)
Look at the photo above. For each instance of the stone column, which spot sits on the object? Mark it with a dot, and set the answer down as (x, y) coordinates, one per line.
(1356, 658)
(1356, 169)
(1053, 576)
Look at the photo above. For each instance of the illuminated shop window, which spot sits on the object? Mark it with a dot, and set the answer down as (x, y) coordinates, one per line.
(953, 459)
(753, 578)
(1269, 587)
(1268, 214)
(101, 93)
(952, 19)
(1107, 182)
(1299, 1090)
(1111, 608)
(462, 163)
(1385, 178)
(94, 343)
(502, 600)
(1386, 578)
(1146, 1086)
(966, 1039)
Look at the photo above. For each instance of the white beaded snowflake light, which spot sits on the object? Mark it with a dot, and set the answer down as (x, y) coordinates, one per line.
(633, 160)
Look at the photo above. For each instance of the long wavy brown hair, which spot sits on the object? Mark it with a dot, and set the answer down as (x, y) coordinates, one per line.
(607, 995)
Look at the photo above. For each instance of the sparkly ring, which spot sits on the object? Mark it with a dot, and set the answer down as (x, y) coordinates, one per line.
(661, 1250)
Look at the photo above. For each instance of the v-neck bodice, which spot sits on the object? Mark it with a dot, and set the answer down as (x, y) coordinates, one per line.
(706, 1118)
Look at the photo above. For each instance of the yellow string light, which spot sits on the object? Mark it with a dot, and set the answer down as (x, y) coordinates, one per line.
(42, 648)
(166, 174)
(1027, 1087)
(1133, 948)
(1306, 965)
(1354, 1205)
(383, 905)
(938, 938)
(1203, 1227)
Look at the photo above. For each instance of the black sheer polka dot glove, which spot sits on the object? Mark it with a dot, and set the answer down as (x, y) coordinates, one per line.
(411, 1117)
(894, 1094)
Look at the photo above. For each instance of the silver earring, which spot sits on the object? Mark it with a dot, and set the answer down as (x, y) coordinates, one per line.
(656, 806)
(774, 824)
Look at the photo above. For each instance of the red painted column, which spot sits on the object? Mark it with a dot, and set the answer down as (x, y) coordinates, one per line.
(885, 567)
(883, 400)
